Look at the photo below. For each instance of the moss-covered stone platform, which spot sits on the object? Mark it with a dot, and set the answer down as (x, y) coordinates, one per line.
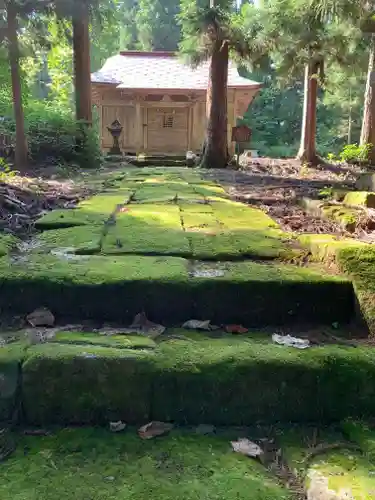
(183, 377)
(170, 243)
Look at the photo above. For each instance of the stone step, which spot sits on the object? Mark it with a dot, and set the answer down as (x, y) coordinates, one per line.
(184, 377)
(172, 290)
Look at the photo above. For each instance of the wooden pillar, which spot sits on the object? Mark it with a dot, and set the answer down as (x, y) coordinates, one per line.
(138, 126)
(190, 127)
(82, 72)
(144, 127)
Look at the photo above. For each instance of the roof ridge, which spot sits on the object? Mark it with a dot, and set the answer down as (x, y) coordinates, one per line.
(156, 53)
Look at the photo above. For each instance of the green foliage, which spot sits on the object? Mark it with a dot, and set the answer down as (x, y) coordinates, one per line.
(53, 135)
(156, 29)
(353, 153)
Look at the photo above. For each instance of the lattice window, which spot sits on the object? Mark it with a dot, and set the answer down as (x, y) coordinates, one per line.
(168, 120)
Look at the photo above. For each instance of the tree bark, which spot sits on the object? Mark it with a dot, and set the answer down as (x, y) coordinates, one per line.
(215, 153)
(14, 61)
(307, 150)
(82, 74)
(366, 119)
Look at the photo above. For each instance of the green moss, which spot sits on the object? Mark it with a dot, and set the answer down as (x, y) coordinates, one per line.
(81, 288)
(80, 240)
(345, 472)
(233, 230)
(363, 435)
(346, 217)
(359, 263)
(70, 218)
(106, 203)
(95, 339)
(341, 470)
(7, 243)
(10, 363)
(204, 221)
(148, 230)
(201, 381)
(104, 384)
(155, 193)
(360, 198)
(325, 247)
(93, 211)
(164, 287)
(92, 463)
(194, 207)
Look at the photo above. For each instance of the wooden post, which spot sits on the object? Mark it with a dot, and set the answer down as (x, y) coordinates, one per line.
(190, 126)
(82, 74)
(144, 127)
(138, 126)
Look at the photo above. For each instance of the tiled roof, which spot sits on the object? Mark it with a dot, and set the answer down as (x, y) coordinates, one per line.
(160, 70)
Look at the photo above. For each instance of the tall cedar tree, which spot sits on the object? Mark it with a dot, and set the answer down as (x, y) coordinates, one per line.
(12, 12)
(361, 13)
(298, 41)
(210, 31)
(21, 149)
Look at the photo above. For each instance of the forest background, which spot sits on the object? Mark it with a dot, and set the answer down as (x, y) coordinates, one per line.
(274, 116)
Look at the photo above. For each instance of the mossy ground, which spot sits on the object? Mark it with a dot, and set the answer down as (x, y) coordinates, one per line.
(94, 464)
(7, 243)
(160, 217)
(360, 198)
(347, 470)
(346, 217)
(140, 242)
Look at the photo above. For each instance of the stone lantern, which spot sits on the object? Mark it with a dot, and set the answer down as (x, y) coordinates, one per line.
(115, 129)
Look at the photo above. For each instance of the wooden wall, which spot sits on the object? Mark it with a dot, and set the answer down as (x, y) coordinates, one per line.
(154, 122)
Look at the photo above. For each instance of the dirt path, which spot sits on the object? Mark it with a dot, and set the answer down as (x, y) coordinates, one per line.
(277, 186)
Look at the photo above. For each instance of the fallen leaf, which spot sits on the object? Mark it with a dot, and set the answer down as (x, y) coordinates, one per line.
(141, 324)
(290, 341)
(196, 324)
(154, 429)
(41, 317)
(235, 329)
(205, 429)
(246, 447)
(117, 426)
(36, 432)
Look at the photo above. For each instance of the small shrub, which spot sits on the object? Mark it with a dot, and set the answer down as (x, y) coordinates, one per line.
(6, 172)
(331, 157)
(353, 153)
(54, 136)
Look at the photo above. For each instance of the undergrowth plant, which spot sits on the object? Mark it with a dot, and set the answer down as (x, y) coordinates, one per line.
(54, 136)
(354, 153)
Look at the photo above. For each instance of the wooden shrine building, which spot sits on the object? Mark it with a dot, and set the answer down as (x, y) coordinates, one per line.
(161, 102)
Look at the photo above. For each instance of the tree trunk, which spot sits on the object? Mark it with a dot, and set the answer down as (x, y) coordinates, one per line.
(14, 61)
(82, 74)
(307, 150)
(368, 126)
(215, 153)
